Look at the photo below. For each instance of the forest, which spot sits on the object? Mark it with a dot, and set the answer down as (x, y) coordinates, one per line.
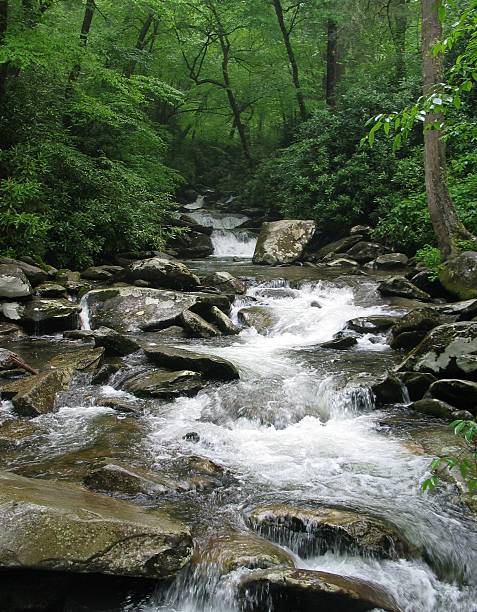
(238, 305)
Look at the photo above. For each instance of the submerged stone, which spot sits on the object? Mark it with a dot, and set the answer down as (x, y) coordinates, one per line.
(210, 366)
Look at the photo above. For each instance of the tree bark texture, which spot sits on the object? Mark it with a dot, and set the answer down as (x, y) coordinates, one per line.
(331, 62)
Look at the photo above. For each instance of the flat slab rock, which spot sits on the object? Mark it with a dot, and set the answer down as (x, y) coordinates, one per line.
(48, 525)
(308, 591)
(210, 366)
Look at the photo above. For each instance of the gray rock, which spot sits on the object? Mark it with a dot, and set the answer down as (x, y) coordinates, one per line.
(210, 366)
(192, 245)
(50, 290)
(42, 315)
(33, 273)
(313, 530)
(343, 262)
(340, 343)
(372, 324)
(113, 342)
(416, 383)
(411, 329)
(448, 351)
(401, 287)
(427, 281)
(97, 273)
(463, 311)
(165, 273)
(363, 230)
(222, 322)
(165, 385)
(283, 242)
(225, 283)
(459, 276)
(259, 317)
(284, 590)
(128, 309)
(459, 393)
(391, 261)
(363, 252)
(11, 331)
(63, 527)
(11, 361)
(174, 331)
(13, 283)
(390, 390)
(338, 246)
(127, 480)
(437, 408)
(197, 327)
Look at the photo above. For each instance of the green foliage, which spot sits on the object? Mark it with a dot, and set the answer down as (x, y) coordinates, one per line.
(465, 462)
(431, 257)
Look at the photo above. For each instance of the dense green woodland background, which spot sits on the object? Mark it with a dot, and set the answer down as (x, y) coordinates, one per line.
(108, 109)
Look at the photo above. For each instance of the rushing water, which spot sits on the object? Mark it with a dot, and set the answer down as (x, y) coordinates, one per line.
(298, 428)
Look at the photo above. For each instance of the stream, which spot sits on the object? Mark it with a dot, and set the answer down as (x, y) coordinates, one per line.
(298, 428)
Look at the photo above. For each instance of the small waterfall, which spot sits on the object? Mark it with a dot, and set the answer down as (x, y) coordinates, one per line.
(233, 243)
(84, 314)
(198, 203)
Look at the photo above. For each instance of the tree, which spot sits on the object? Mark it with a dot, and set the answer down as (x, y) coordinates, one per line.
(445, 221)
(398, 17)
(331, 61)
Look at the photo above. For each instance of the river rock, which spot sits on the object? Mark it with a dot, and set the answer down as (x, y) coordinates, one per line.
(340, 343)
(12, 361)
(97, 273)
(459, 393)
(222, 322)
(36, 395)
(84, 359)
(437, 408)
(448, 351)
(225, 283)
(401, 287)
(127, 309)
(362, 252)
(426, 281)
(343, 262)
(196, 326)
(416, 383)
(311, 531)
(259, 317)
(174, 331)
(459, 276)
(232, 550)
(51, 290)
(192, 245)
(34, 273)
(165, 273)
(114, 343)
(462, 311)
(338, 246)
(43, 315)
(282, 242)
(390, 390)
(413, 327)
(165, 385)
(362, 230)
(372, 324)
(13, 283)
(391, 261)
(11, 331)
(210, 366)
(288, 590)
(64, 527)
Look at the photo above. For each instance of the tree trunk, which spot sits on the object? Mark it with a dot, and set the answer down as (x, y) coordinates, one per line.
(447, 226)
(291, 58)
(398, 32)
(140, 44)
(331, 62)
(85, 29)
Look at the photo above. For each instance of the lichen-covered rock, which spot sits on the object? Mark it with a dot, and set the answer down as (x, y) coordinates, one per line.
(42, 315)
(462, 311)
(225, 283)
(127, 309)
(413, 327)
(165, 385)
(459, 275)
(118, 478)
(13, 283)
(102, 273)
(50, 290)
(165, 273)
(284, 590)
(34, 273)
(311, 531)
(50, 525)
(439, 409)
(448, 351)
(197, 327)
(211, 366)
(222, 322)
(283, 242)
(401, 287)
(391, 261)
(259, 317)
(113, 342)
(459, 393)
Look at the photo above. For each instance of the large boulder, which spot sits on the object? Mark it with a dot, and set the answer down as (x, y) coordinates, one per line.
(165, 273)
(40, 316)
(432, 407)
(165, 385)
(128, 309)
(401, 287)
(51, 290)
(448, 351)
(312, 531)
(210, 366)
(416, 383)
(192, 245)
(13, 283)
(287, 590)
(459, 276)
(51, 525)
(225, 283)
(427, 281)
(459, 393)
(221, 321)
(196, 326)
(413, 327)
(113, 342)
(282, 242)
(34, 274)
